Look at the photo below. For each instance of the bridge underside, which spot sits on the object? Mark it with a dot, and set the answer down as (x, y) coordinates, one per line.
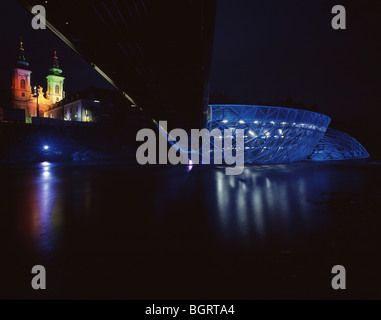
(157, 53)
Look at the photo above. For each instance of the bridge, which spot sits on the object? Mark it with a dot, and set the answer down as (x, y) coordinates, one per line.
(157, 53)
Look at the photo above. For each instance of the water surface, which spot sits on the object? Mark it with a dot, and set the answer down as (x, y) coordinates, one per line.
(126, 231)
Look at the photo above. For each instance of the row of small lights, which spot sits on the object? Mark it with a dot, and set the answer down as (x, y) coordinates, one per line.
(247, 148)
(257, 122)
(303, 125)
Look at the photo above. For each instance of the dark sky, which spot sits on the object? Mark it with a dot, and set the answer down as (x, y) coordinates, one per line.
(39, 45)
(264, 49)
(267, 49)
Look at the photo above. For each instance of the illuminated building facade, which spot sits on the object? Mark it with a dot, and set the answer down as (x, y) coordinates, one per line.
(89, 105)
(55, 82)
(24, 96)
(78, 110)
(21, 87)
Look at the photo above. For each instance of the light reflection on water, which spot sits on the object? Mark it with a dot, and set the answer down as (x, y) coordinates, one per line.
(42, 218)
(264, 205)
(269, 204)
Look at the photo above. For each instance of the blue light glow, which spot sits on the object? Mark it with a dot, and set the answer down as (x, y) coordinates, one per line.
(272, 134)
(337, 145)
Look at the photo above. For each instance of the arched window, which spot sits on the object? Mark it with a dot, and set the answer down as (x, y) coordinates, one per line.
(22, 84)
(57, 89)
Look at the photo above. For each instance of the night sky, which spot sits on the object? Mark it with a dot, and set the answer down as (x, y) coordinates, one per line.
(274, 49)
(39, 46)
(263, 50)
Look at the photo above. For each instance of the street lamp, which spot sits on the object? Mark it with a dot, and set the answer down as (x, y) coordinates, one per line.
(36, 93)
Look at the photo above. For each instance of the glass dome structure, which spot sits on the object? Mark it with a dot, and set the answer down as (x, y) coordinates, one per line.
(271, 134)
(337, 145)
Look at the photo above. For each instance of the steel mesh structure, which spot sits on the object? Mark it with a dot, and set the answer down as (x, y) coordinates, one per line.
(272, 134)
(337, 145)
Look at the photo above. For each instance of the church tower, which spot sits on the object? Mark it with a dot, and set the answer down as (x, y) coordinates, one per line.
(21, 89)
(55, 91)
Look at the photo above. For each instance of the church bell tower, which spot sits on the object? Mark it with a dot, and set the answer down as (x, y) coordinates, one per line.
(21, 89)
(55, 81)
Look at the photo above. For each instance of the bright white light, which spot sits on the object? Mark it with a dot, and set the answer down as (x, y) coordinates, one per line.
(256, 122)
(46, 174)
(242, 122)
(46, 147)
(225, 121)
(45, 164)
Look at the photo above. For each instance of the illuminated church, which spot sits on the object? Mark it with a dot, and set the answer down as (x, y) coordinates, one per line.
(32, 99)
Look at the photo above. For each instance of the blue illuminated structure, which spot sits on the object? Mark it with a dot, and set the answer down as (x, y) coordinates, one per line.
(272, 134)
(337, 145)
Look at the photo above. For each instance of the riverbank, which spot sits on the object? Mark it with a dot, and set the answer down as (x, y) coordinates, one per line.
(27, 143)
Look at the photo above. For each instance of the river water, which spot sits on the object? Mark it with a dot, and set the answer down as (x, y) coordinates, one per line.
(113, 230)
